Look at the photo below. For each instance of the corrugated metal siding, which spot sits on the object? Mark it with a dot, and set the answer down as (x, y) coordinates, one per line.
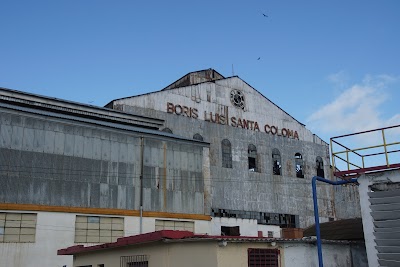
(385, 206)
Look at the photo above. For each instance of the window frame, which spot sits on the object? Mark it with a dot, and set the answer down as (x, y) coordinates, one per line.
(262, 257)
(252, 158)
(226, 152)
(16, 225)
(98, 229)
(276, 162)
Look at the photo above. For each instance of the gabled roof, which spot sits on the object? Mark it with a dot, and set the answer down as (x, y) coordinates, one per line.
(199, 77)
(196, 77)
(168, 236)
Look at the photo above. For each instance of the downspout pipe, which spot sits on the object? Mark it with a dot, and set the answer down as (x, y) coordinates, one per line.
(314, 191)
(141, 184)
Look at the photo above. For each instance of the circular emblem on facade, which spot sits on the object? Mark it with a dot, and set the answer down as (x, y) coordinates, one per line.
(237, 98)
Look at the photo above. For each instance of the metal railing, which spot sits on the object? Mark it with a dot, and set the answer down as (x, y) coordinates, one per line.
(384, 154)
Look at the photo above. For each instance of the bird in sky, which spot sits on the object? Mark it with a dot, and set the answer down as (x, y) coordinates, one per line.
(265, 15)
(259, 58)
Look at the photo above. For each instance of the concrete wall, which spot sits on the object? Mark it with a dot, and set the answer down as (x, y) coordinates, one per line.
(209, 253)
(192, 254)
(236, 188)
(248, 227)
(56, 230)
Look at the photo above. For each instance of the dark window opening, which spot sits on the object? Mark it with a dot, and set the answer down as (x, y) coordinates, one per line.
(263, 218)
(226, 153)
(230, 230)
(198, 137)
(320, 167)
(262, 257)
(276, 159)
(252, 156)
(299, 165)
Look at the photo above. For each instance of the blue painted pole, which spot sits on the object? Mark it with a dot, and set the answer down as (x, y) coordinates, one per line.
(316, 217)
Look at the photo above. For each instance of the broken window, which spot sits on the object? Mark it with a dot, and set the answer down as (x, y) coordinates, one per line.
(299, 165)
(198, 137)
(252, 155)
(167, 130)
(226, 153)
(320, 167)
(230, 230)
(277, 164)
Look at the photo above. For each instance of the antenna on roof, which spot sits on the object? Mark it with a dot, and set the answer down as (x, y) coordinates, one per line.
(233, 72)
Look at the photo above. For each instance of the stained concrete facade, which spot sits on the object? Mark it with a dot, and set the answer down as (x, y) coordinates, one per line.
(221, 108)
(47, 160)
(60, 160)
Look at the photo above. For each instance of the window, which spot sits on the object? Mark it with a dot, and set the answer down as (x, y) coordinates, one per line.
(17, 227)
(258, 257)
(276, 159)
(167, 130)
(226, 153)
(198, 137)
(252, 155)
(270, 234)
(320, 167)
(134, 261)
(230, 230)
(174, 225)
(95, 229)
(299, 165)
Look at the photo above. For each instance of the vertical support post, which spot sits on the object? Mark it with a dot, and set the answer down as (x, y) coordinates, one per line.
(141, 184)
(384, 146)
(316, 213)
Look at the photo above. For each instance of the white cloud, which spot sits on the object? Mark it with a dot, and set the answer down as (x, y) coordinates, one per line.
(340, 79)
(359, 108)
(355, 109)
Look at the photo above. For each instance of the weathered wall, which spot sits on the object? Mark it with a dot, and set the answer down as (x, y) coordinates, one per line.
(55, 162)
(210, 254)
(247, 227)
(56, 230)
(379, 179)
(236, 188)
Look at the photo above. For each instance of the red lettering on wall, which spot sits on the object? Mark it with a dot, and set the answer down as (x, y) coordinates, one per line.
(233, 122)
(170, 108)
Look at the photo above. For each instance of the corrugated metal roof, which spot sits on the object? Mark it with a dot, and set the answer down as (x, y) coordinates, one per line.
(138, 130)
(167, 236)
(78, 109)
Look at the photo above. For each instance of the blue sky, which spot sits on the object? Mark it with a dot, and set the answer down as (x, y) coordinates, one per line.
(333, 65)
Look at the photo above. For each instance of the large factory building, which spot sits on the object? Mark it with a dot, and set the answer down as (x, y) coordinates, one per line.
(262, 159)
(207, 154)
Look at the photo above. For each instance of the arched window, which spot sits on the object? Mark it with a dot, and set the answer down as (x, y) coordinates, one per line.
(167, 130)
(320, 167)
(298, 158)
(226, 153)
(276, 162)
(252, 155)
(198, 137)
